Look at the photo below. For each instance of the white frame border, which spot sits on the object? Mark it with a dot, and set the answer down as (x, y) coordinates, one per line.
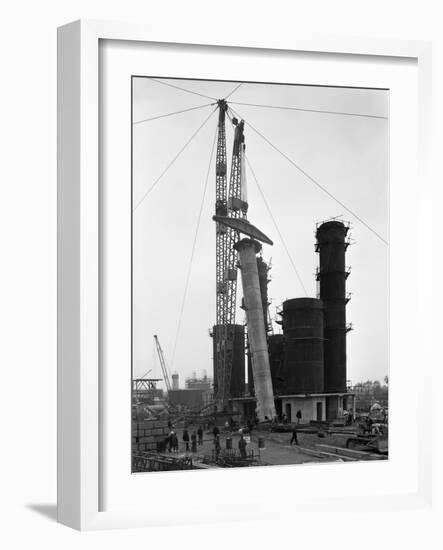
(78, 248)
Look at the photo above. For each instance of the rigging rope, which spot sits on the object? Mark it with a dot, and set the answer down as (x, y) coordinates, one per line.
(233, 91)
(194, 243)
(311, 179)
(268, 208)
(174, 159)
(182, 89)
(171, 114)
(364, 115)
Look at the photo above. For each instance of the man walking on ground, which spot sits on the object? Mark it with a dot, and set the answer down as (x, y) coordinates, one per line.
(186, 439)
(200, 435)
(294, 436)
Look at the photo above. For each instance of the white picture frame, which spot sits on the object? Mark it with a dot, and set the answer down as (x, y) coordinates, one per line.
(79, 368)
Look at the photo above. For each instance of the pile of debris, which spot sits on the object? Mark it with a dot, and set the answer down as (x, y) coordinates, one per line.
(154, 462)
(149, 435)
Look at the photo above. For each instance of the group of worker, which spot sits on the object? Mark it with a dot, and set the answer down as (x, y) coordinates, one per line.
(241, 442)
(196, 438)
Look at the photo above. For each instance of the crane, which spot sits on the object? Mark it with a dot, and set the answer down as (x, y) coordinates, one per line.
(163, 363)
(221, 209)
(232, 204)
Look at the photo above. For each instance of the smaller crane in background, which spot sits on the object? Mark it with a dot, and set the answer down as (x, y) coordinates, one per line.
(163, 363)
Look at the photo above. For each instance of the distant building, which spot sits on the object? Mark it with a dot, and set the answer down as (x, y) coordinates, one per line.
(175, 381)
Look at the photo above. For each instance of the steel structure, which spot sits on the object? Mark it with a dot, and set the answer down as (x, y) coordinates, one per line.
(163, 363)
(332, 275)
(228, 204)
(144, 386)
(303, 364)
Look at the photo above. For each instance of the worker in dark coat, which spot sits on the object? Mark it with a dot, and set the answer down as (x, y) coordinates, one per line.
(294, 436)
(194, 442)
(171, 441)
(298, 415)
(242, 446)
(186, 439)
(215, 432)
(200, 435)
(174, 440)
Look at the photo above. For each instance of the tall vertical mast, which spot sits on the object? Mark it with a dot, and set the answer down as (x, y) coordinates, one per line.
(237, 208)
(221, 209)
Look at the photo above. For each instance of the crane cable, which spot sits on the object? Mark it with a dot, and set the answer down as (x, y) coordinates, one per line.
(314, 181)
(194, 243)
(291, 260)
(174, 159)
(180, 88)
(364, 115)
(171, 114)
(268, 208)
(233, 91)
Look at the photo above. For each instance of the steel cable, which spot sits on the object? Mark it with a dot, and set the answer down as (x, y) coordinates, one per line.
(174, 159)
(268, 208)
(311, 179)
(182, 89)
(171, 114)
(194, 243)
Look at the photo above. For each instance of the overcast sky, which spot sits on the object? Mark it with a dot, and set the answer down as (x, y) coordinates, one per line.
(347, 155)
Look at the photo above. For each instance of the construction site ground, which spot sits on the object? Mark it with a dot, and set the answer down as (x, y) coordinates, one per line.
(277, 449)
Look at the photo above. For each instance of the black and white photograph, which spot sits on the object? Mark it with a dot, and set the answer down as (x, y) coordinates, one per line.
(260, 274)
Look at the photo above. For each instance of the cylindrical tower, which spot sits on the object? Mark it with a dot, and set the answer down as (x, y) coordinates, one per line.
(263, 269)
(275, 347)
(237, 385)
(332, 275)
(175, 383)
(247, 250)
(303, 366)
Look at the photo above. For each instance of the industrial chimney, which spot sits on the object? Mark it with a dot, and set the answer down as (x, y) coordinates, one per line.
(331, 275)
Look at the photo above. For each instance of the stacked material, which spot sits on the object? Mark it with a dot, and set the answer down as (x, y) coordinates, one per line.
(149, 435)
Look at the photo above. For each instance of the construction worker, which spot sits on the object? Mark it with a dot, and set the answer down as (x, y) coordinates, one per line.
(186, 439)
(200, 435)
(215, 432)
(294, 436)
(194, 442)
(174, 442)
(298, 416)
(171, 441)
(242, 446)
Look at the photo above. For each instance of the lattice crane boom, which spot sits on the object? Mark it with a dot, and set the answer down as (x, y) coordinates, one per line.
(234, 206)
(221, 239)
(162, 363)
